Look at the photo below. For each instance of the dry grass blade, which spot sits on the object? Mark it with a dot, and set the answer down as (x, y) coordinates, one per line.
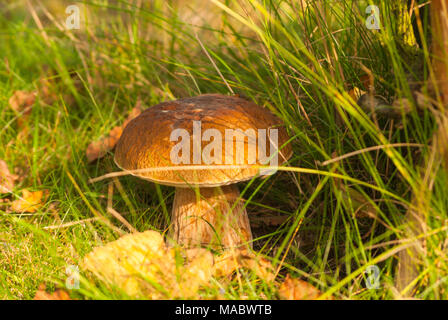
(114, 212)
(69, 224)
(374, 148)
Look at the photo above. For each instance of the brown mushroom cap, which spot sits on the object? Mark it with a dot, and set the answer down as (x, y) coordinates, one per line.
(145, 142)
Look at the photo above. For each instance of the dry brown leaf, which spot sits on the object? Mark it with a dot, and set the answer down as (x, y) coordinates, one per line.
(42, 294)
(98, 149)
(20, 100)
(295, 289)
(50, 88)
(45, 92)
(30, 201)
(7, 180)
(355, 93)
(227, 263)
(134, 113)
(143, 266)
(198, 269)
(367, 81)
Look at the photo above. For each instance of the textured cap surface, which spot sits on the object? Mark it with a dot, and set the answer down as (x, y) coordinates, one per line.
(146, 141)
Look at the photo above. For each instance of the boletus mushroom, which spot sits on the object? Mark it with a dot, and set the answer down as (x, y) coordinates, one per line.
(203, 146)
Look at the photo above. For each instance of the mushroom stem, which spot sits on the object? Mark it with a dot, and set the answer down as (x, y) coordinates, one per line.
(210, 217)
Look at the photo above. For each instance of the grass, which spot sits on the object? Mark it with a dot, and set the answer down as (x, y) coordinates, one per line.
(298, 58)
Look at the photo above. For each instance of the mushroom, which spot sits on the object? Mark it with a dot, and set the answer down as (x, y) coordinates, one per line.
(203, 146)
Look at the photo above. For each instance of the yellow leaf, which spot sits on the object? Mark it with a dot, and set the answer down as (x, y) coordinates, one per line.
(295, 289)
(356, 93)
(230, 260)
(143, 266)
(29, 202)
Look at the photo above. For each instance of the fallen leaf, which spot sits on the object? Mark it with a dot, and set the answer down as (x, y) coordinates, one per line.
(51, 87)
(355, 93)
(199, 267)
(98, 149)
(134, 113)
(29, 202)
(227, 263)
(21, 102)
(42, 294)
(295, 289)
(46, 92)
(367, 81)
(143, 266)
(7, 180)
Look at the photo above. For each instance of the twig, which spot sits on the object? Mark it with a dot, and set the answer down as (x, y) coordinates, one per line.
(92, 209)
(69, 224)
(114, 212)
